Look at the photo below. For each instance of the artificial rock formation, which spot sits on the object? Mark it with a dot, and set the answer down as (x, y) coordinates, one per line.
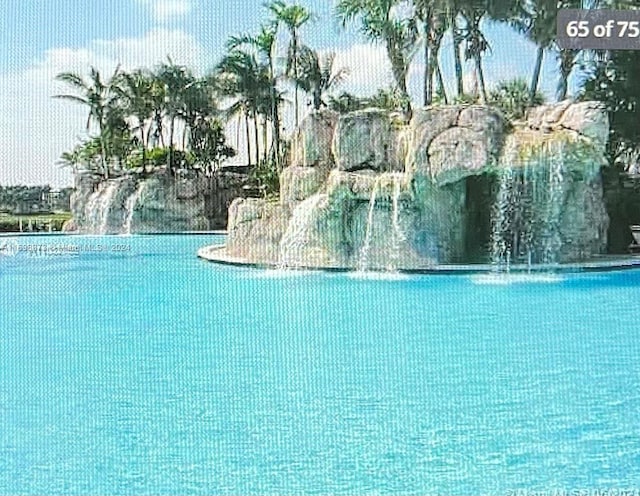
(157, 203)
(367, 191)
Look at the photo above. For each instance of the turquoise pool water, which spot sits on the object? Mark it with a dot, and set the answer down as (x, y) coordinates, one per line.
(135, 368)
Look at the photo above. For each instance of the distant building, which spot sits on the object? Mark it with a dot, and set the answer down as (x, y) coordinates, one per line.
(59, 200)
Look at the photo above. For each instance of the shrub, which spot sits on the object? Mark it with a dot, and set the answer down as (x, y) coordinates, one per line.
(267, 177)
(158, 157)
(512, 98)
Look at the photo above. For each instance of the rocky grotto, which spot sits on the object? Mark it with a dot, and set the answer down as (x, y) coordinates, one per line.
(456, 184)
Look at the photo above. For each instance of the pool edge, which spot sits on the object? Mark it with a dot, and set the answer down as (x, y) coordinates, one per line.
(215, 254)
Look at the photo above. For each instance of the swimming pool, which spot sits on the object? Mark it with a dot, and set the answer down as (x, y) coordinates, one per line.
(127, 365)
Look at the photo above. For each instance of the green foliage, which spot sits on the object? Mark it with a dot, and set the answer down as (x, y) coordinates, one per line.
(464, 99)
(137, 117)
(380, 22)
(208, 144)
(84, 157)
(345, 103)
(159, 157)
(317, 75)
(390, 99)
(512, 98)
(615, 83)
(267, 177)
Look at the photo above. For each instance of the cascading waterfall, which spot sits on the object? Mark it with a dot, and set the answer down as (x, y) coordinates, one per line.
(130, 206)
(94, 214)
(500, 242)
(98, 208)
(528, 210)
(551, 241)
(398, 236)
(295, 238)
(105, 207)
(363, 258)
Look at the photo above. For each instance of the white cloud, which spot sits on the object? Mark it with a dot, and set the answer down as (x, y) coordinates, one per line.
(165, 11)
(36, 128)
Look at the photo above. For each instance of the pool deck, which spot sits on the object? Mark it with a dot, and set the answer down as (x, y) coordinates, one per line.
(606, 263)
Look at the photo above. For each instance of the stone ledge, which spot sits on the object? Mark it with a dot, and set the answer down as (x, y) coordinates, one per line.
(217, 254)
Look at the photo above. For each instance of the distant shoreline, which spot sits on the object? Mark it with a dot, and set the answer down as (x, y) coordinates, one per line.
(33, 223)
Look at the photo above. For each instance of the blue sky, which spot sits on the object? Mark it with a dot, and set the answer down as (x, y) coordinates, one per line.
(39, 38)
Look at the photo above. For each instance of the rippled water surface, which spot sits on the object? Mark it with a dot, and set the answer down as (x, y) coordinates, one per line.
(136, 368)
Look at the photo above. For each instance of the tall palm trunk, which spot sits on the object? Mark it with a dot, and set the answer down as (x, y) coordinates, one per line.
(294, 40)
(567, 57)
(103, 146)
(441, 86)
(535, 80)
(480, 72)
(265, 148)
(172, 126)
(143, 142)
(256, 133)
(143, 139)
(248, 136)
(317, 98)
(427, 83)
(457, 60)
(238, 127)
(432, 68)
(160, 128)
(276, 135)
(428, 79)
(399, 70)
(103, 158)
(274, 116)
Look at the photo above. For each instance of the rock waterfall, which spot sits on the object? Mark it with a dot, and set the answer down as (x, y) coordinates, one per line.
(367, 191)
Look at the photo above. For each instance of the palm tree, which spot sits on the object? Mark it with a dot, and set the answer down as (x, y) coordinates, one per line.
(198, 103)
(98, 96)
(265, 43)
(434, 26)
(435, 16)
(537, 21)
(71, 160)
(134, 92)
(293, 17)
(378, 23)
(177, 82)
(457, 43)
(240, 76)
(85, 156)
(317, 75)
(567, 59)
(475, 42)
